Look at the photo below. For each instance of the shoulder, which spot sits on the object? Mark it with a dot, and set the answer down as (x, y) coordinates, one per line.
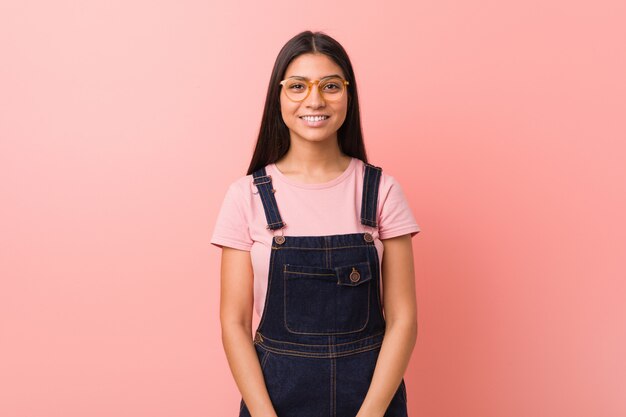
(242, 184)
(387, 181)
(394, 211)
(239, 194)
(245, 183)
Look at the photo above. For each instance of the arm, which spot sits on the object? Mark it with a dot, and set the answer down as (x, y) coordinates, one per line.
(236, 303)
(400, 308)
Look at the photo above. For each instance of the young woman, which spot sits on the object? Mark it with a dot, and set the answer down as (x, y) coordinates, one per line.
(302, 238)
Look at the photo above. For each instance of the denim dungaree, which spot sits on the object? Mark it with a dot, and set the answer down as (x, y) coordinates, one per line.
(322, 325)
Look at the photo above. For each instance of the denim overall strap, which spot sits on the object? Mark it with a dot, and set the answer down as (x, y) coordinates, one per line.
(371, 179)
(263, 183)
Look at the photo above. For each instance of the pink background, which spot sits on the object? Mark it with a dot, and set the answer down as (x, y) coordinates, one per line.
(123, 122)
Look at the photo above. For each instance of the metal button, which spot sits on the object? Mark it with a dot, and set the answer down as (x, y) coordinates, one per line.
(354, 275)
(279, 239)
(368, 237)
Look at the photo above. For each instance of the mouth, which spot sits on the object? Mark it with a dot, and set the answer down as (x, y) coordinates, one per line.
(314, 121)
(314, 118)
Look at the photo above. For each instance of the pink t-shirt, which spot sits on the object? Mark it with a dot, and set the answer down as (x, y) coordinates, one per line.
(320, 209)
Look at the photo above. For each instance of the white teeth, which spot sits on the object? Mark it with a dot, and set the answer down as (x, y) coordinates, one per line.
(314, 118)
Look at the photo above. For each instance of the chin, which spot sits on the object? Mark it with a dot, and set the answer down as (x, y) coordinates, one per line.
(316, 138)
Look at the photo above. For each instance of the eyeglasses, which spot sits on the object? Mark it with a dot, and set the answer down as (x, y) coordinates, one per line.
(298, 89)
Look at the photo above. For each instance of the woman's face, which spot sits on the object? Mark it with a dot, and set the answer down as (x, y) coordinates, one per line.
(313, 67)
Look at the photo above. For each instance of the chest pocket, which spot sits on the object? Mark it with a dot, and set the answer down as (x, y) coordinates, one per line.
(327, 300)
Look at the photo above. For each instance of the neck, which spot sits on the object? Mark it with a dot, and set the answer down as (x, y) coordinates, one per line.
(313, 161)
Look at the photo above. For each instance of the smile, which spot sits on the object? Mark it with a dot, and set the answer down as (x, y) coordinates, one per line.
(314, 118)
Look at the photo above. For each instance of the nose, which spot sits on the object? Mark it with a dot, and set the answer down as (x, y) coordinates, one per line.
(315, 98)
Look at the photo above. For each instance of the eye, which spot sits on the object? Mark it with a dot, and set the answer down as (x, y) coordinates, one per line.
(331, 86)
(296, 86)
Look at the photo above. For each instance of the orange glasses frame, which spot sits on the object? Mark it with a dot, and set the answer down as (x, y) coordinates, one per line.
(310, 88)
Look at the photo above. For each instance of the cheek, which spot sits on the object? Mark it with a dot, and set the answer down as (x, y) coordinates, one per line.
(287, 108)
(343, 110)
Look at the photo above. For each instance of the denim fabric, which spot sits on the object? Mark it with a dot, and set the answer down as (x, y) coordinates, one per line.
(322, 325)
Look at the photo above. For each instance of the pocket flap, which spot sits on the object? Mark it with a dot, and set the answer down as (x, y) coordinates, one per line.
(292, 271)
(354, 274)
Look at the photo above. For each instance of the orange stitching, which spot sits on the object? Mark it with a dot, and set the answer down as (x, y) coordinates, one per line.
(273, 255)
(333, 248)
(332, 376)
(305, 273)
(336, 344)
(321, 355)
(366, 198)
(264, 361)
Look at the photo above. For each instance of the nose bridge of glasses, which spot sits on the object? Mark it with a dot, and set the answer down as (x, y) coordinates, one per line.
(316, 84)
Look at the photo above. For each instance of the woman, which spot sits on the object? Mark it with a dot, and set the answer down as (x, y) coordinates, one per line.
(302, 238)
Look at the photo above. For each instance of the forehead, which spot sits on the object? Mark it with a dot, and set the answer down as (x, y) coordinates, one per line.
(313, 66)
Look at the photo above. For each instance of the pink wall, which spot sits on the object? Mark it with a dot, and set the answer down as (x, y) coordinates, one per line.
(123, 122)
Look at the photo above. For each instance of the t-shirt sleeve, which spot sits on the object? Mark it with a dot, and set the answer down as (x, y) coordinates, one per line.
(231, 227)
(396, 217)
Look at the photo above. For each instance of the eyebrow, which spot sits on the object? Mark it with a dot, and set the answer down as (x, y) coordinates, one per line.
(306, 78)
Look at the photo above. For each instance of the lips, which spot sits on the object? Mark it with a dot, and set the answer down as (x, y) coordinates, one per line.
(314, 118)
(314, 121)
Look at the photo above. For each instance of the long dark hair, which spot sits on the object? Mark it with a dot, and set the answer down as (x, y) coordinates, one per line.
(273, 140)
